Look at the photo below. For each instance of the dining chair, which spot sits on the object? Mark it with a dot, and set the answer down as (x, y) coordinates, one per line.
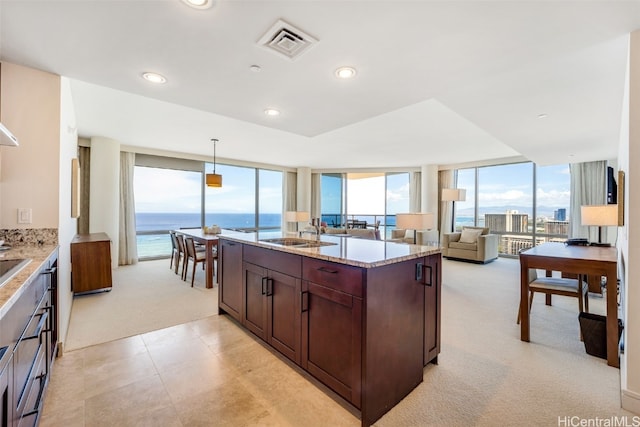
(175, 251)
(570, 286)
(195, 256)
(181, 253)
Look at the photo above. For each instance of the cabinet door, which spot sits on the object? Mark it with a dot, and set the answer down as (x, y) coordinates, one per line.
(255, 301)
(432, 298)
(331, 339)
(6, 402)
(283, 300)
(230, 278)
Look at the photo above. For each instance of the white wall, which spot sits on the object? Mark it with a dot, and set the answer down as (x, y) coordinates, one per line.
(29, 176)
(105, 191)
(67, 225)
(429, 196)
(629, 234)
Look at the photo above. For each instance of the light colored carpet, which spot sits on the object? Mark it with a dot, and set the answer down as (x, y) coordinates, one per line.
(145, 297)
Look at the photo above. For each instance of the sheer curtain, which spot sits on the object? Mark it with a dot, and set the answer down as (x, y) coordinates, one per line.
(289, 201)
(128, 249)
(415, 191)
(316, 188)
(588, 187)
(446, 179)
(84, 158)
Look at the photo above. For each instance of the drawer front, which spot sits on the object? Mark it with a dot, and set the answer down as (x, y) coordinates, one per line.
(340, 277)
(30, 406)
(274, 260)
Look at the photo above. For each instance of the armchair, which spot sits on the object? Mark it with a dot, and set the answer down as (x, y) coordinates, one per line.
(400, 235)
(471, 244)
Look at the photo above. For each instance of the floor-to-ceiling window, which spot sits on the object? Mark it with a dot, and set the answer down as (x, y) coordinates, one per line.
(165, 199)
(502, 198)
(269, 199)
(368, 200)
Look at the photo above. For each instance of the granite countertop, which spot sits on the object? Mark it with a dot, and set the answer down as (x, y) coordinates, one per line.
(38, 254)
(345, 250)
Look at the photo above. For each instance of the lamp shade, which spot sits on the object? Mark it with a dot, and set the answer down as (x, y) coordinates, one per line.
(296, 216)
(454, 194)
(213, 180)
(599, 215)
(415, 221)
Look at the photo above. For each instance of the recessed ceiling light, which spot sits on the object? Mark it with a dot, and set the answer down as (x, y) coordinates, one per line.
(345, 72)
(255, 68)
(271, 112)
(542, 116)
(199, 4)
(154, 77)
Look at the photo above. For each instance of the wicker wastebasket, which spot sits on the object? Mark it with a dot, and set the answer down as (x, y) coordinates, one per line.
(594, 333)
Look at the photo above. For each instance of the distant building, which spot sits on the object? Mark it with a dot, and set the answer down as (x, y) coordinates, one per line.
(560, 215)
(511, 221)
(556, 227)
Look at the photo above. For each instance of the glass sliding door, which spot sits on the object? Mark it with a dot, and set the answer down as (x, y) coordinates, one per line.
(465, 211)
(269, 199)
(232, 206)
(332, 199)
(397, 201)
(553, 185)
(165, 199)
(365, 199)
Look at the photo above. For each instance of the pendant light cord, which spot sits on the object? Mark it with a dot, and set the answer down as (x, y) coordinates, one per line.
(214, 154)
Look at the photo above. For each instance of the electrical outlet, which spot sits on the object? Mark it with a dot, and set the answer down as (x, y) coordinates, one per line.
(24, 215)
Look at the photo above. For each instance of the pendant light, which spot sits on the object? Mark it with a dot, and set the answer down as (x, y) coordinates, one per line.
(213, 179)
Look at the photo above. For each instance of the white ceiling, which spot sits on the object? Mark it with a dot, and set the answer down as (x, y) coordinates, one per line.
(438, 82)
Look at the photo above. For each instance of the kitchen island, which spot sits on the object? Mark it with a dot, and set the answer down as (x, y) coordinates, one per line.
(361, 316)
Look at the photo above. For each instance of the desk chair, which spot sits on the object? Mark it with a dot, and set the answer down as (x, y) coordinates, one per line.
(566, 286)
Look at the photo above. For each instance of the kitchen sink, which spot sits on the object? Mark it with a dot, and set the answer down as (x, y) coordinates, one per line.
(294, 242)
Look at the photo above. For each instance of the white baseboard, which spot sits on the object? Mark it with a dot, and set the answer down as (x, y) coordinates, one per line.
(630, 401)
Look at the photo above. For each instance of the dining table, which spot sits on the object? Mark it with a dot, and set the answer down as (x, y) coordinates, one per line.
(209, 241)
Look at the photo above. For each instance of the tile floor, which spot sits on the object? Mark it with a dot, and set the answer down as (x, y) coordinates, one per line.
(203, 373)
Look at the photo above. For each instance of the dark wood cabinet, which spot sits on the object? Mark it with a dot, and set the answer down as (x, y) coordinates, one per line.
(272, 300)
(90, 263)
(230, 278)
(28, 331)
(365, 332)
(432, 300)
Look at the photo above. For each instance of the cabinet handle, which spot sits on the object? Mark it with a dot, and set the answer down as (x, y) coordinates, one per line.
(305, 301)
(264, 279)
(50, 270)
(326, 270)
(40, 327)
(428, 275)
(269, 287)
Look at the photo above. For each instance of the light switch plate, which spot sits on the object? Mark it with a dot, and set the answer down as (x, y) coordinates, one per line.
(24, 215)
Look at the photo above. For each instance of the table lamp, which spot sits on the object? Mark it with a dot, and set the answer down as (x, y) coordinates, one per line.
(599, 215)
(453, 195)
(415, 222)
(297, 217)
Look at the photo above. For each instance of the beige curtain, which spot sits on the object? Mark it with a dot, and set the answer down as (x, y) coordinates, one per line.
(415, 191)
(588, 187)
(289, 201)
(128, 249)
(316, 208)
(446, 179)
(84, 158)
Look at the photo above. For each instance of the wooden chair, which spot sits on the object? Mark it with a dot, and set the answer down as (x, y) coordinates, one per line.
(175, 250)
(181, 253)
(195, 256)
(566, 286)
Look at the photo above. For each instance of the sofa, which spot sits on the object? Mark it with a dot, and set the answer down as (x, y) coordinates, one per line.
(471, 244)
(362, 233)
(425, 237)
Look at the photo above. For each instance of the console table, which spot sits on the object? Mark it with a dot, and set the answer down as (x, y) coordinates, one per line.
(590, 260)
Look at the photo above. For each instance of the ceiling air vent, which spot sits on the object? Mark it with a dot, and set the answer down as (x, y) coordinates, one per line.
(287, 40)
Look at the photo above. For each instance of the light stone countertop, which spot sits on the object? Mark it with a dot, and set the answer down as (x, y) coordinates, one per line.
(11, 291)
(346, 250)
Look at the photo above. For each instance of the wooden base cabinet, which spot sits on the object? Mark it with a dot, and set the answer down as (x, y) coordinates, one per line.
(230, 273)
(90, 263)
(366, 333)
